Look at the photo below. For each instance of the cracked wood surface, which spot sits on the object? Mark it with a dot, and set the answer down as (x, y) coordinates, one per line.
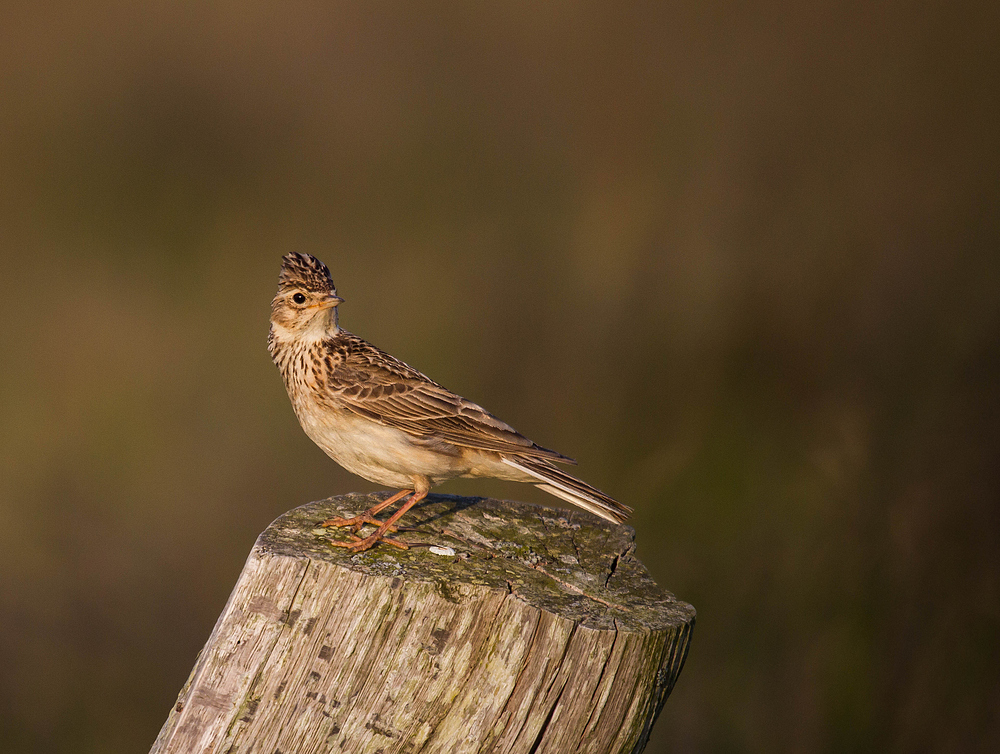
(541, 633)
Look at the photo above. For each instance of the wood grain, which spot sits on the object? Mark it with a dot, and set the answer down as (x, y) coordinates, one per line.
(542, 633)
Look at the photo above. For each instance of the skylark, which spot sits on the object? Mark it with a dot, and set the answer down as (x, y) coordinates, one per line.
(385, 421)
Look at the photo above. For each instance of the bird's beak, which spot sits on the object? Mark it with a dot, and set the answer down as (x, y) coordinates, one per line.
(330, 301)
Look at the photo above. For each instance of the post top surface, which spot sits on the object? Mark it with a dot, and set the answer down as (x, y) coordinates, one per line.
(569, 563)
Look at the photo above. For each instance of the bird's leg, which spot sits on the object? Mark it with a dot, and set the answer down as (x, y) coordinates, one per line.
(359, 545)
(368, 517)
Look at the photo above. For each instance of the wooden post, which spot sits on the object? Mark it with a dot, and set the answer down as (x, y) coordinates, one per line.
(506, 627)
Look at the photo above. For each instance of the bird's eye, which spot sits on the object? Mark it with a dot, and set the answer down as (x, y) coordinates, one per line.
(298, 298)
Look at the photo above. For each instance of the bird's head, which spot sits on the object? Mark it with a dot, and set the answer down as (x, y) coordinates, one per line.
(306, 301)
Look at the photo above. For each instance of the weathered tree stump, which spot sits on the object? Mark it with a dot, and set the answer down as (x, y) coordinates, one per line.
(541, 633)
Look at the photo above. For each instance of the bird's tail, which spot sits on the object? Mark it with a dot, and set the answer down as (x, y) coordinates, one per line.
(557, 482)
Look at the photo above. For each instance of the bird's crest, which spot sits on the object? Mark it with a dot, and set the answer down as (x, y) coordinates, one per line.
(304, 271)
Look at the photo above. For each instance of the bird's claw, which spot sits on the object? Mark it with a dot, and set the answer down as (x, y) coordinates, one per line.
(356, 522)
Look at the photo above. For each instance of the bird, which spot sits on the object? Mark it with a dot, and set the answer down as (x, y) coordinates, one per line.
(385, 421)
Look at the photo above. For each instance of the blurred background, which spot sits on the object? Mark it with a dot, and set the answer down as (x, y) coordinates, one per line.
(740, 261)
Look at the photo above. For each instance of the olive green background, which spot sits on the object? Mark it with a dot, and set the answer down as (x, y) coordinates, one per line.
(742, 261)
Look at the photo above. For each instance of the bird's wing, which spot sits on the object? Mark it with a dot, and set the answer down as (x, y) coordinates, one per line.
(371, 383)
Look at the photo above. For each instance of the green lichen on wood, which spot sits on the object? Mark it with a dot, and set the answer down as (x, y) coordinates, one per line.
(569, 563)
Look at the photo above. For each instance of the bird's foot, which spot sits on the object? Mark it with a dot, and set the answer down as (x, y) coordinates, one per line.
(357, 522)
(357, 544)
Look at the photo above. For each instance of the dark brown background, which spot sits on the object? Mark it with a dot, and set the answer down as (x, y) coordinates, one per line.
(740, 260)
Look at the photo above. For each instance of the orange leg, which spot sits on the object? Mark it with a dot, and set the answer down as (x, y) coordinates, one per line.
(359, 545)
(368, 517)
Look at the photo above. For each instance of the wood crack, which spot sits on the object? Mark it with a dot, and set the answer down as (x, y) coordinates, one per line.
(575, 589)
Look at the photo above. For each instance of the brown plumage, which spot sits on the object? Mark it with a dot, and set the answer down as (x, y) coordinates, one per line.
(383, 420)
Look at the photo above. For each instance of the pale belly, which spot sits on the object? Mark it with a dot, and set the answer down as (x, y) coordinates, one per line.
(379, 454)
